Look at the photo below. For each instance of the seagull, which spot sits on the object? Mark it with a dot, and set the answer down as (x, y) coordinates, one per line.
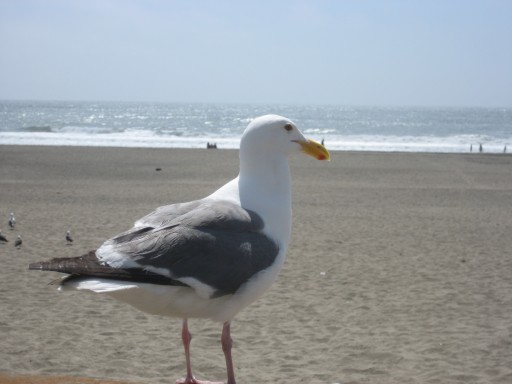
(12, 220)
(18, 242)
(3, 238)
(207, 258)
(69, 239)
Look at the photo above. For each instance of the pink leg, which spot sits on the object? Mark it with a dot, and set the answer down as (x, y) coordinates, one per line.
(187, 338)
(227, 343)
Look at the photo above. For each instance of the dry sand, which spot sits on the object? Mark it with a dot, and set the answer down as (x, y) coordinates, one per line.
(399, 271)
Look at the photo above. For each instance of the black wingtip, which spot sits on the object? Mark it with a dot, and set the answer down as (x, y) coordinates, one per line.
(64, 264)
(88, 265)
(36, 266)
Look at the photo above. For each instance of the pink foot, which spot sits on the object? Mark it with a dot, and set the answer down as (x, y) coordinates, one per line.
(195, 381)
(226, 347)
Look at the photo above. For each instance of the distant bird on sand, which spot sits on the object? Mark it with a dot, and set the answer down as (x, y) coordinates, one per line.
(12, 220)
(207, 258)
(69, 239)
(3, 238)
(18, 242)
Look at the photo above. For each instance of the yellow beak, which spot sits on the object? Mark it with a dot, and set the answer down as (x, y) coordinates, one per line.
(317, 150)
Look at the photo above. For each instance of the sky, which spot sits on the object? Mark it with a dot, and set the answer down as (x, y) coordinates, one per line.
(346, 52)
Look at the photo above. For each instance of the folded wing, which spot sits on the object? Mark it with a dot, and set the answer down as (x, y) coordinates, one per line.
(202, 243)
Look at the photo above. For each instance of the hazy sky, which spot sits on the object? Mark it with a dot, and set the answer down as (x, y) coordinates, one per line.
(350, 52)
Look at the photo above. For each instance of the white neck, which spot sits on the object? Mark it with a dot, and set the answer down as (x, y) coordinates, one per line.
(265, 186)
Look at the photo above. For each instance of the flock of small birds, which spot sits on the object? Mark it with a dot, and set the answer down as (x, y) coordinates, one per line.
(19, 241)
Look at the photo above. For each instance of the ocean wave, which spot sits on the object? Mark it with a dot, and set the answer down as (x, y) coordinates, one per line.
(36, 128)
(88, 130)
(146, 139)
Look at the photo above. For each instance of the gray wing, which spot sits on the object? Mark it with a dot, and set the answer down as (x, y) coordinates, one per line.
(215, 242)
(164, 215)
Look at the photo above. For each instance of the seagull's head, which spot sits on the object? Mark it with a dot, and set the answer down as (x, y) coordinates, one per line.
(276, 134)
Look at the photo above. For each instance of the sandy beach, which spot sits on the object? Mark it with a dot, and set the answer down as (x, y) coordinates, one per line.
(399, 270)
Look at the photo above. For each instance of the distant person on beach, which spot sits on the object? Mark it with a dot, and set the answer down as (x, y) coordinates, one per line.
(471, 148)
(481, 149)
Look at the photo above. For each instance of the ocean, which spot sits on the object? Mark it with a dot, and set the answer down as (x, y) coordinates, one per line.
(193, 125)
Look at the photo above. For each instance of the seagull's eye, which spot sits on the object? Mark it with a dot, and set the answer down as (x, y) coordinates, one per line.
(288, 127)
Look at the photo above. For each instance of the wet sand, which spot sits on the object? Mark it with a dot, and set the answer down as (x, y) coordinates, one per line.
(399, 270)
